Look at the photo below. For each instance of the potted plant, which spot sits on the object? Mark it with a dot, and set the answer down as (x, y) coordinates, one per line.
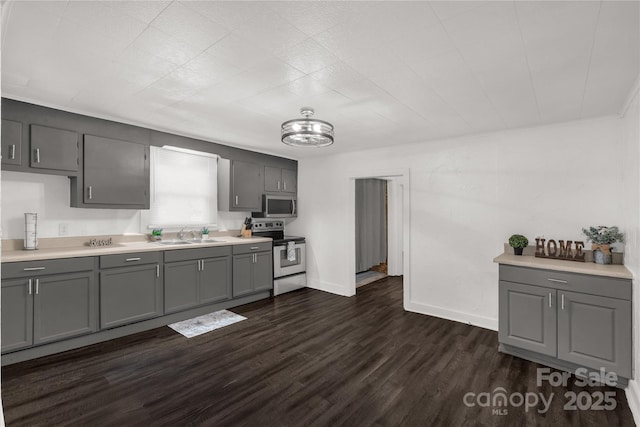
(602, 238)
(156, 234)
(205, 233)
(518, 242)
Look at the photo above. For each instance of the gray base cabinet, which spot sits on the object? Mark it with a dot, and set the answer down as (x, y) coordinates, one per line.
(132, 293)
(252, 268)
(577, 319)
(195, 277)
(49, 301)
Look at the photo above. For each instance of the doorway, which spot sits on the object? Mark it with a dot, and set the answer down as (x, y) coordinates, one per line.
(371, 230)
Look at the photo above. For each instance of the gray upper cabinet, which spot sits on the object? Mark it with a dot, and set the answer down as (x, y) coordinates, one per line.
(240, 185)
(130, 294)
(528, 317)
(278, 180)
(47, 301)
(116, 173)
(54, 150)
(595, 331)
(11, 142)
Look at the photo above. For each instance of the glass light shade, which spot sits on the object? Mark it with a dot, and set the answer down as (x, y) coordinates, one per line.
(307, 132)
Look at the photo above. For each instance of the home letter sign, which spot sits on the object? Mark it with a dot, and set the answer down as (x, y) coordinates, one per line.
(560, 250)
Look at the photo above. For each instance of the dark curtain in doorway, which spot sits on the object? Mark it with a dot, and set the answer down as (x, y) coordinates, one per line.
(371, 223)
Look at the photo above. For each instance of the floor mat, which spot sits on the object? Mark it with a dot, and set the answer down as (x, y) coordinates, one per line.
(206, 323)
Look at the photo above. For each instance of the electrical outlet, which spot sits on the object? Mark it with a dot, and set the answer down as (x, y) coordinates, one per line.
(63, 229)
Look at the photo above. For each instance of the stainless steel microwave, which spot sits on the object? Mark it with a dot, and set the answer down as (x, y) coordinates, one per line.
(278, 206)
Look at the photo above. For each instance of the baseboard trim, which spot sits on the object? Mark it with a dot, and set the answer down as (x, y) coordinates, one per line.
(332, 288)
(633, 399)
(458, 316)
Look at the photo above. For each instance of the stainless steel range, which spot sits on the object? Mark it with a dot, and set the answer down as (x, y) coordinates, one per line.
(289, 255)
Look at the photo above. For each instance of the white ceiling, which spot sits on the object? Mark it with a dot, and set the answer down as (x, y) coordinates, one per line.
(383, 73)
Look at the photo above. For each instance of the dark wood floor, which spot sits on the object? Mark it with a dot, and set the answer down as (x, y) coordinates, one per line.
(304, 358)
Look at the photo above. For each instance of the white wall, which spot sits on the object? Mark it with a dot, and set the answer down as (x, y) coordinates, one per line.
(631, 166)
(468, 195)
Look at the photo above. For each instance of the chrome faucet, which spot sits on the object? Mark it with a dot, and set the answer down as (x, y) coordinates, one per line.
(181, 234)
(194, 235)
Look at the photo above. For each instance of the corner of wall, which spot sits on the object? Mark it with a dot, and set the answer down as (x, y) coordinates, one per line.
(633, 399)
(332, 288)
(457, 316)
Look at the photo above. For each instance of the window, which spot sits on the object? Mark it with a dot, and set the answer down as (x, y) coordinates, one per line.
(184, 188)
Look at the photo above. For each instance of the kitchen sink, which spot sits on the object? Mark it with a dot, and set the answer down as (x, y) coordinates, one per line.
(205, 241)
(173, 242)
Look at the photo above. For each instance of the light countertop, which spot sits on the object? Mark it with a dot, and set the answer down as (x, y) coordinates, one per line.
(118, 247)
(612, 270)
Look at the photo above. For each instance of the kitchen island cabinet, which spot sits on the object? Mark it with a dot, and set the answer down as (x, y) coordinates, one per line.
(195, 277)
(47, 301)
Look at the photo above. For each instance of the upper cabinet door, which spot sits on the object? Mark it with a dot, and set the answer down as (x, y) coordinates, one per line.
(289, 181)
(55, 149)
(115, 172)
(272, 179)
(247, 185)
(11, 142)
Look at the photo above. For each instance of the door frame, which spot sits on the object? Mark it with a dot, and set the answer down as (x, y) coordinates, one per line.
(403, 204)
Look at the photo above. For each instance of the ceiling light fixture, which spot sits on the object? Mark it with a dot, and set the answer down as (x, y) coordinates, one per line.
(307, 132)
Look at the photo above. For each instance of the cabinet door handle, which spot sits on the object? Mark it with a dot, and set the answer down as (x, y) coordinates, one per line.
(557, 281)
(30, 286)
(202, 264)
(562, 301)
(285, 185)
(132, 259)
(33, 268)
(278, 185)
(236, 200)
(37, 155)
(157, 270)
(550, 304)
(37, 286)
(198, 265)
(12, 152)
(90, 191)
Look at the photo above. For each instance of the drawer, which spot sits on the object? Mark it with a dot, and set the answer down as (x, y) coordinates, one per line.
(126, 260)
(50, 266)
(200, 253)
(585, 283)
(255, 247)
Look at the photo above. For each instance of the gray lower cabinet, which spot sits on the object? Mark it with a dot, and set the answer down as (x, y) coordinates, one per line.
(39, 307)
(194, 277)
(11, 141)
(573, 319)
(54, 149)
(132, 293)
(252, 269)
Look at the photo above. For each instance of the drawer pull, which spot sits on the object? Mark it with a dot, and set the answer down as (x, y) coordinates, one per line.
(132, 259)
(557, 281)
(253, 248)
(34, 268)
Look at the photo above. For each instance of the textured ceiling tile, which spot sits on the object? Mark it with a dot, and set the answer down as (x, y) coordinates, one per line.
(239, 52)
(449, 9)
(145, 11)
(269, 31)
(135, 58)
(163, 45)
(336, 75)
(228, 13)
(189, 26)
(307, 56)
(101, 18)
(307, 86)
(315, 17)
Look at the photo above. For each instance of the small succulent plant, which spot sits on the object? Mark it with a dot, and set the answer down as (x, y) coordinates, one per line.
(518, 241)
(602, 235)
(157, 232)
(205, 230)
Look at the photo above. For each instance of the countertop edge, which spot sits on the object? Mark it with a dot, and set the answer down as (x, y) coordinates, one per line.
(614, 271)
(124, 248)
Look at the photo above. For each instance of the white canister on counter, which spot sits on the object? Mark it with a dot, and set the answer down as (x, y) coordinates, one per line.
(31, 231)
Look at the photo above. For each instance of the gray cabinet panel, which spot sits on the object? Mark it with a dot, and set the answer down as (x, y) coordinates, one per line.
(64, 306)
(263, 272)
(130, 294)
(130, 259)
(180, 285)
(528, 317)
(11, 140)
(252, 247)
(51, 266)
(242, 274)
(199, 253)
(17, 315)
(246, 182)
(115, 172)
(53, 149)
(595, 332)
(289, 181)
(272, 179)
(215, 280)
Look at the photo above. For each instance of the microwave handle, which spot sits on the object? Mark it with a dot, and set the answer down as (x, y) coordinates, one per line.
(293, 201)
